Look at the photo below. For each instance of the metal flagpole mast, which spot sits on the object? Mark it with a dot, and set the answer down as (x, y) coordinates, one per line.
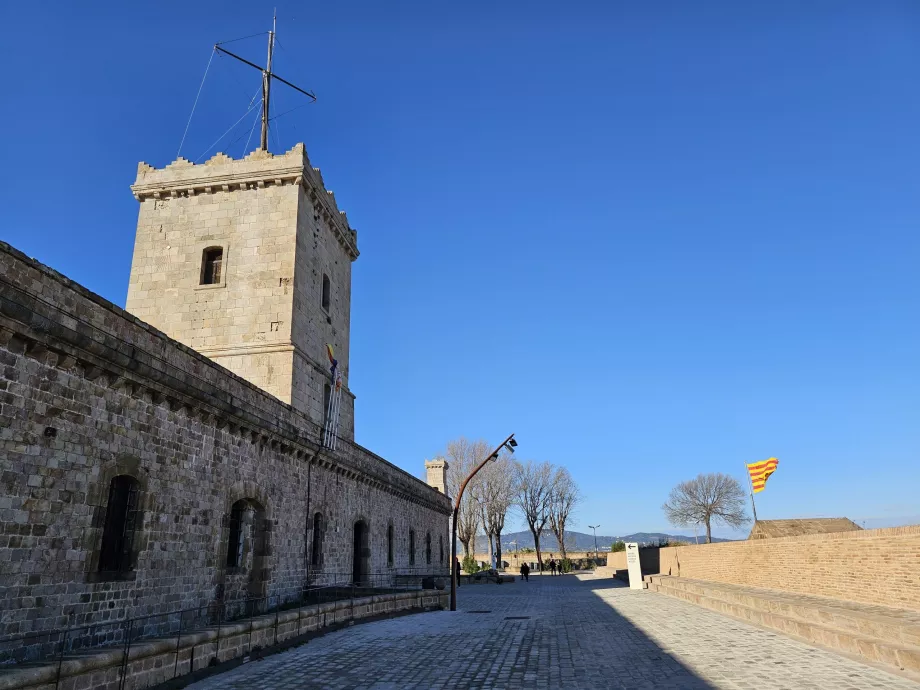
(267, 76)
(751, 484)
(267, 85)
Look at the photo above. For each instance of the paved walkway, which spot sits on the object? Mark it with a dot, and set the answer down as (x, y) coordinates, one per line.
(558, 632)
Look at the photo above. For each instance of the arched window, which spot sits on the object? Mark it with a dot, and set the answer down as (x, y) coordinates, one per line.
(428, 548)
(411, 547)
(212, 260)
(441, 547)
(326, 292)
(235, 534)
(390, 546)
(316, 552)
(120, 525)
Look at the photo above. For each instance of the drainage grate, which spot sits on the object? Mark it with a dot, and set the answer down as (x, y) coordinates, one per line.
(479, 612)
(517, 618)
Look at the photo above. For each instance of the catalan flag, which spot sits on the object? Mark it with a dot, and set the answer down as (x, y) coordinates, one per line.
(759, 472)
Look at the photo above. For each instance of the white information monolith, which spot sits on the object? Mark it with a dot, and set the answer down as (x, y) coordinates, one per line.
(632, 563)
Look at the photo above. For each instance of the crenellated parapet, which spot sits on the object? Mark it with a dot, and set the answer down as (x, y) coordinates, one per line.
(258, 170)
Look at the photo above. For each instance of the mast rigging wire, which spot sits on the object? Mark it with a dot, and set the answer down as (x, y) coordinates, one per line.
(227, 132)
(195, 105)
(234, 40)
(251, 130)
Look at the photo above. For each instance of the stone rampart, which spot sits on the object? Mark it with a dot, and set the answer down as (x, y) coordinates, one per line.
(880, 566)
(88, 393)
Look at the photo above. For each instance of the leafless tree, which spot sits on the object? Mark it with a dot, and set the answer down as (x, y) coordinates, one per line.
(533, 484)
(496, 495)
(564, 497)
(462, 456)
(709, 497)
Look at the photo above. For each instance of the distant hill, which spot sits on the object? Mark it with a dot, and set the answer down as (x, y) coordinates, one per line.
(579, 541)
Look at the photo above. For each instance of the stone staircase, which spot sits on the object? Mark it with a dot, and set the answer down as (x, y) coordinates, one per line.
(879, 634)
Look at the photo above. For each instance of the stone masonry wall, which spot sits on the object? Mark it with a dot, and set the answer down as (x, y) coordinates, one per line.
(280, 232)
(880, 566)
(88, 392)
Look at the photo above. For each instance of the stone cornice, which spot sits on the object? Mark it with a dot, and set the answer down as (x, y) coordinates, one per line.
(216, 353)
(259, 169)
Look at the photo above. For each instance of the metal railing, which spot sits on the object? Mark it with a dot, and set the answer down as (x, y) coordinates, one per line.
(56, 646)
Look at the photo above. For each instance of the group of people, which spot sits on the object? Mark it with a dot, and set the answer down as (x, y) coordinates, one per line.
(553, 567)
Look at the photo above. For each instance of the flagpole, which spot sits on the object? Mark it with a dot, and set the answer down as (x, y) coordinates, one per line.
(751, 484)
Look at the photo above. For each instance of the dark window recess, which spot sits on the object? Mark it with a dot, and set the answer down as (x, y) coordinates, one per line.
(441, 547)
(211, 265)
(326, 291)
(235, 537)
(390, 545)
(120, 525)
(411, 547)
(316, 553)
(428, 548)
(327, 393)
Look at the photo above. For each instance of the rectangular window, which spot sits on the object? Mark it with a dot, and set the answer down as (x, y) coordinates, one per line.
(120, 525)
(326, 290)
(390, 546)
(235, 538)
(211, 264)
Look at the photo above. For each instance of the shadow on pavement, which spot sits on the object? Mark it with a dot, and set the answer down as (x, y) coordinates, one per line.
(564, 634)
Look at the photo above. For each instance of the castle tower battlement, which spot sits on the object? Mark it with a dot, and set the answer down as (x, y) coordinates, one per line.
(248, 261)
(258, 169)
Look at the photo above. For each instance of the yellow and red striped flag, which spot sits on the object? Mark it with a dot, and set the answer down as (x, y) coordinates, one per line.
(759, 472)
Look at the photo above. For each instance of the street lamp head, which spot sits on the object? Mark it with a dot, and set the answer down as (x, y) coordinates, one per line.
(511, 445)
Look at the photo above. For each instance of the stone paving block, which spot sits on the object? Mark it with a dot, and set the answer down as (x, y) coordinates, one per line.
(577, 634)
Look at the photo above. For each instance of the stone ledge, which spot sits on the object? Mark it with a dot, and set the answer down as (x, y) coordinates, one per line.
(883, 635)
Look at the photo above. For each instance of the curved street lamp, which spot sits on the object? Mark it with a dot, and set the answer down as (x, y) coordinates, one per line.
(509, 444)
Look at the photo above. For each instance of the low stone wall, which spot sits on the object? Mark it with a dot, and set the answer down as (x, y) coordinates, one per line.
(879, 566)
(153, 662)
(648, 560)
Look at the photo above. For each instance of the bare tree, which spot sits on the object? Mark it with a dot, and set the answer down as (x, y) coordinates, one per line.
(564, 497)
(496, 493)
(462, 456)
(709, 497)
(533, 484)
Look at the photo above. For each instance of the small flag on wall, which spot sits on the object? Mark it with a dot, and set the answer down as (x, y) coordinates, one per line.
(759, 472)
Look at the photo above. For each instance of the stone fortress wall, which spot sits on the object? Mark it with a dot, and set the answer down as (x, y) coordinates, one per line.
(878, 566)
(89, 392)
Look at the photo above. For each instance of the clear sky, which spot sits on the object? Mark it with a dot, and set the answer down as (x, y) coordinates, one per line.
(653, 239)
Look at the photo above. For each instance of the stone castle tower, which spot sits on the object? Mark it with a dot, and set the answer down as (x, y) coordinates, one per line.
(249, 263)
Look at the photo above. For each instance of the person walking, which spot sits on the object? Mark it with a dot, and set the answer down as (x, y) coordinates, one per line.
(525, 572)
(552, 567)
(458, 572)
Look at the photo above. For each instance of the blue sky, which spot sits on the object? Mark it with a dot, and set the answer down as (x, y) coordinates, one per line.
(652, 239)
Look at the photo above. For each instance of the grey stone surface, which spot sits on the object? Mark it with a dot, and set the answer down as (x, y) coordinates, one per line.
(579, 634)
(280, 231)
(89, 392)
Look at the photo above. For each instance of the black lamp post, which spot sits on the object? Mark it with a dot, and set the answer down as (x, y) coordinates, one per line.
(510, 444)
(594, 527)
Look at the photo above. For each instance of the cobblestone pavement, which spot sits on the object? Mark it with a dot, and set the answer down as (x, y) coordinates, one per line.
(563, 632)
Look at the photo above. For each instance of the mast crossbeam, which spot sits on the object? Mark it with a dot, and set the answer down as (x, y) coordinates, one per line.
(267, 76)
